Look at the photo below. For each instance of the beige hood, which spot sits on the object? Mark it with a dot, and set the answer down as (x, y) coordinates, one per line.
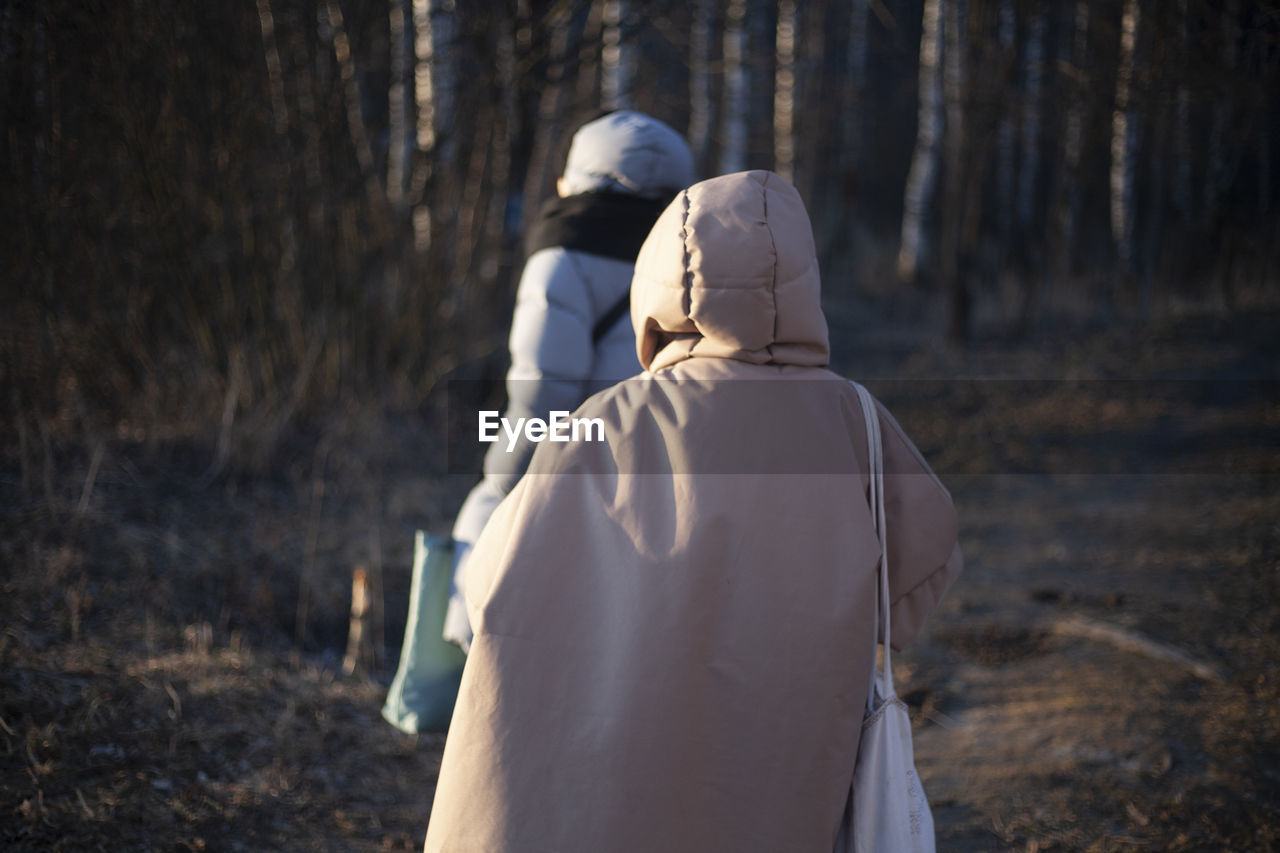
(729, 271)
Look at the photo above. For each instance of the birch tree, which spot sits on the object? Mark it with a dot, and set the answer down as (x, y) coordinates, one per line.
(311, 68)
(433, 89)
(589, 56)
(784, 88)
(280, 122)
(506, 129)
(1182, 122)
(1067, 211)
(953, 79)
(1218, 169)
(288, 293)
(829, 196)
(551, 105)
(1264, 170)
(733, 134)
(295, 189)
(615, 58)
(275, 74)
(954, 265)
(1263, 93)
(1033, 65)
(397, 105)
(924, 162)
(1124, 138)
(1006, 154)
(40, 98)
(1158, 120)
(701, 107)
(855, 75)
(6, 35)
(351, 90)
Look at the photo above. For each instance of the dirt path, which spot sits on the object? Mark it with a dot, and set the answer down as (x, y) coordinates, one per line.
(1085, 687)
(1103, 677)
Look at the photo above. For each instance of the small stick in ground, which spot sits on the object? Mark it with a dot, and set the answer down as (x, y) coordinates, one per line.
(359, 640)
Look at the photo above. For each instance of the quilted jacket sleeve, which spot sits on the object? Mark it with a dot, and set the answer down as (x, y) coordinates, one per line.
(552, 355)
(924, 552)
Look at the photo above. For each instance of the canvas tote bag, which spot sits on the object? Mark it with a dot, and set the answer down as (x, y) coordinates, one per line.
(886, 811)
(423, 692)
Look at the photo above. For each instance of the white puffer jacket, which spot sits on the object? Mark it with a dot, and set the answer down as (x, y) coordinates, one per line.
(554, 364)
(563, 293)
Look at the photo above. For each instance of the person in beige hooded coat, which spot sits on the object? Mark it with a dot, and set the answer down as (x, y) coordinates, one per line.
(674, 627)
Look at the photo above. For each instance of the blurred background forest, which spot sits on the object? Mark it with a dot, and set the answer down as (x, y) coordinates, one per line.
(247, 246)
(227, 215)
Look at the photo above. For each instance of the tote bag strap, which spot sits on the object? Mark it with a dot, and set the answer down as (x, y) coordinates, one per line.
(875, 474)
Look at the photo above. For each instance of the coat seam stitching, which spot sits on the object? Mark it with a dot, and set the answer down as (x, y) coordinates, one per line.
(764, 195)
(687, 295)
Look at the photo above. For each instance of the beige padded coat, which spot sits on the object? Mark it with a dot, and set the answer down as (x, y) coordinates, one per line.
(674, 627)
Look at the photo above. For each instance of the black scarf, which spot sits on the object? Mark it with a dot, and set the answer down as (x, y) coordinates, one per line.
(600, 223)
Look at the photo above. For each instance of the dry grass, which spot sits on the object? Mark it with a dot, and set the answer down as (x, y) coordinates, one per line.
(158, 692)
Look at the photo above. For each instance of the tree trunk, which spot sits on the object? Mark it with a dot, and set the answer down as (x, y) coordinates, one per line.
(615, 58)
(830, 202)
(1027, 240)
(954, 269)
(924, 162)
(1157, 181)
(279, 105)
(953, 80)
(470, 204)
(551, 106)
(355, 117)
(1123, 141)
(784, 92)
(6, 37)
(855, 110)
(433, 86)
(1218, 172)
(589, 57)
(1006, 153)
(275, 75)
(733, 134)
(506, 130)
(1033, 65)
(1264, 170)
(701, 107)
(1182, 123)
(397, 106)
(313, 175)
(1067, 208)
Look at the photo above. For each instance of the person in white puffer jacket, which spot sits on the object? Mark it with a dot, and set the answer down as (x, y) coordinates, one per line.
(567, 339)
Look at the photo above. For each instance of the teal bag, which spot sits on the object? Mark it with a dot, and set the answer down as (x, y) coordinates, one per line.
(423, 693)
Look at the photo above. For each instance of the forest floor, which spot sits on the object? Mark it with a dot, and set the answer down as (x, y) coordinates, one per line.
(1104, 675)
